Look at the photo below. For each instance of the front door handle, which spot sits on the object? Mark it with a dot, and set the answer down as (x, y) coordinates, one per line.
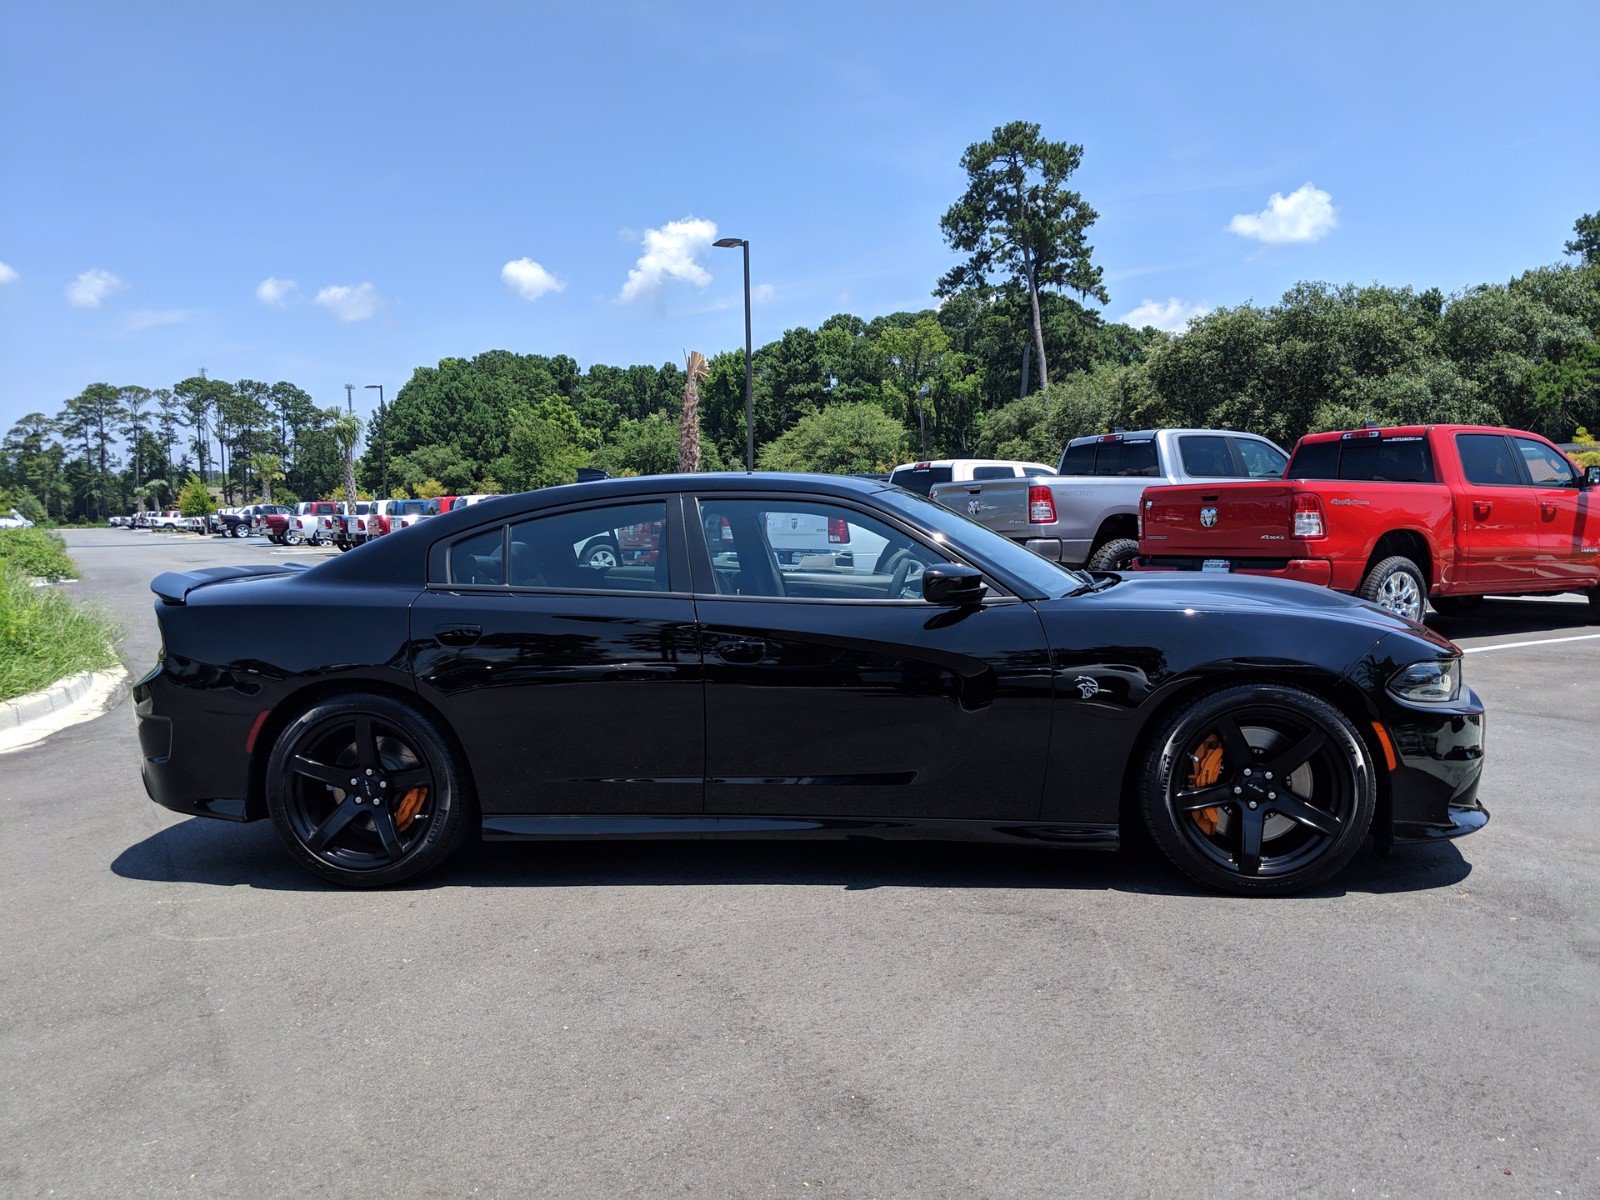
(740, 650)
(1548, 508)
(1481, 510)
(457, 635)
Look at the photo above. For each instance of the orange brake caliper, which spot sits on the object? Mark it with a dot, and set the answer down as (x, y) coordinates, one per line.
(1206, 772)
(410, 805)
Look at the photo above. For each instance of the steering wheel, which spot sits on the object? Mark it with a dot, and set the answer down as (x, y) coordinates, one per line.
(907, 569)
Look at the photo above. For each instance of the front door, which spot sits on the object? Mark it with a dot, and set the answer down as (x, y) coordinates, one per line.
(834, 690)
(562, 650)
(1569, 533)
(1497, 516)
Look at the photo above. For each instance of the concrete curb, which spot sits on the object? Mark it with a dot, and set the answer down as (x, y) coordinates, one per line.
(30, 718)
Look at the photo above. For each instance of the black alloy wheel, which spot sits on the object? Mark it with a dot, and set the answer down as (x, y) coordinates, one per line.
(1259, 790)
(365, 791)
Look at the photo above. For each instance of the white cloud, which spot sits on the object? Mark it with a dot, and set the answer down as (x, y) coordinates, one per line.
(350, 302)
(141, 319)
(1304, 215)
(669, 253)
(8, 274)
(90, 289)
(275, 292)
(761, 293)
(529, 279)
(1172, 315)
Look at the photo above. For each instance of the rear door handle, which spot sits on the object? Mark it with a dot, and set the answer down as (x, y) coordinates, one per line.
(740, 650)
(457, 635)
(1481, 510)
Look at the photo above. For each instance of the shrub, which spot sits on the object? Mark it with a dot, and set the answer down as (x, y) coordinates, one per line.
(45, 637)
(36, 552)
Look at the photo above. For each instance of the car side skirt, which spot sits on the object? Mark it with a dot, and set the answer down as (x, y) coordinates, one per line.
(513, 828)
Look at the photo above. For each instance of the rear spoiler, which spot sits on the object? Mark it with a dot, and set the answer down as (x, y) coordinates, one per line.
(174, 586)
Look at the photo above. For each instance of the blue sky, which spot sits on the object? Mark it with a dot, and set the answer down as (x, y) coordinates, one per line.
(161, 162)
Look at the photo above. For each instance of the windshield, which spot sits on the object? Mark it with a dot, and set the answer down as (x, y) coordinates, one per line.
(1042, 575)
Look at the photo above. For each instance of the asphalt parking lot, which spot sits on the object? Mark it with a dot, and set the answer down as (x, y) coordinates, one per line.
(186, 1012)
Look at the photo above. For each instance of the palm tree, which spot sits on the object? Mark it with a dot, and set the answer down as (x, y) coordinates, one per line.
(346, 430)
(689, 423)
(268, 469)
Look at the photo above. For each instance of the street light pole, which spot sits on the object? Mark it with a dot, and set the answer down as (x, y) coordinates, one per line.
(749, 403)
(383, 440)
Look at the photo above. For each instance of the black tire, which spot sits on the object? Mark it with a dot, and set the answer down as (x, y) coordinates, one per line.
(1116, 555)
(292, 538)
(360, 836)
(599, 553)
(1398, 585)
(1264, 839)
(237, 530)
(1456, 606)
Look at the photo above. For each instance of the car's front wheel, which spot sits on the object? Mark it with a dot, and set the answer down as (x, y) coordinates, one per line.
(1259, 789)
(365, 791)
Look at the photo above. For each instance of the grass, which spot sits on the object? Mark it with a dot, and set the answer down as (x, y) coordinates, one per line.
(37, 552)
(44, 636)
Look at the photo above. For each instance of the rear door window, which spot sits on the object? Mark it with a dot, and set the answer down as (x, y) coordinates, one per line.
(615, 548)
(1487, 460)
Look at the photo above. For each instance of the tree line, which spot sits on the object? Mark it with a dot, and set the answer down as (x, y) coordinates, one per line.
(1011, 363)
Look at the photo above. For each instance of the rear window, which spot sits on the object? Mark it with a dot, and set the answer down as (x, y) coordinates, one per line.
(994, 472)
(1404, 459)
(1078, 459)
(1126, 458)
(920, 479)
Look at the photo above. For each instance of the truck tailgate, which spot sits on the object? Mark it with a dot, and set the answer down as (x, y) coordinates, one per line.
(1001, 504)
(1221, 519)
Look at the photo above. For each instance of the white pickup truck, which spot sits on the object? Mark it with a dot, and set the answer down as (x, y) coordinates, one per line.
(1087, 513)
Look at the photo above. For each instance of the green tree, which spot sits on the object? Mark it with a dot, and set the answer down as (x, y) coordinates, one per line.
(839, 439)
(1020, 223)
(195, 498)
(1586, 239)
(268, 469)
(345, 427)
(547, 445)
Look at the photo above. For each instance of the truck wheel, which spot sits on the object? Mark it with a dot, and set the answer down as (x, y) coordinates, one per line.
(1116, 555)
(1396, 584)
(1456, 606)
(293, 537)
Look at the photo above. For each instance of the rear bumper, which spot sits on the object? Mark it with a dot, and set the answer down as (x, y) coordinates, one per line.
(183, 740)
(1071, 551)
(1302, 570)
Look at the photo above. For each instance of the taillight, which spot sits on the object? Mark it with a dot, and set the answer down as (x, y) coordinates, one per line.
(838, 530)
(382, 524)
(1308, 522)
(1041, 505)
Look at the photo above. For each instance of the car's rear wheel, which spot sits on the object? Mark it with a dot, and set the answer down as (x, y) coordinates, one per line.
(599, 554)
(1116, 555)
(293, 537)
(1259, 790)
(365, 791)
(1398, 585)
(1456, 606)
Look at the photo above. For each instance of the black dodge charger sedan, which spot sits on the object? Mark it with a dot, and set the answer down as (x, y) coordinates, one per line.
(787, 655)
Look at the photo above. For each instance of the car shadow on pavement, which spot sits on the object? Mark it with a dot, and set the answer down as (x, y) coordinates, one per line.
(222, 854)
(1499, 618)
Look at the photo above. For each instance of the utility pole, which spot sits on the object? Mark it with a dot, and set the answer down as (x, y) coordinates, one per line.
(349, 392)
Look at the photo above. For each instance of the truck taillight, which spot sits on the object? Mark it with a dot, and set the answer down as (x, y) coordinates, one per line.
(838, 530)
(1308, 522)
(1041, 505)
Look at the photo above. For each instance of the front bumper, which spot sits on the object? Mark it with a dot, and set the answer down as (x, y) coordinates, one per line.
(1433, 788)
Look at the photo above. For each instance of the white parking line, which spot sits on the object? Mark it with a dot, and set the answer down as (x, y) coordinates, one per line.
(1581, 637)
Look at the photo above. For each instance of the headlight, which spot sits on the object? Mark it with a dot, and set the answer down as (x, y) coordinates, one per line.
(1437, 682)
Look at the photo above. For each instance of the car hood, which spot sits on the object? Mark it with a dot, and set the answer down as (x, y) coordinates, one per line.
(1246, 594)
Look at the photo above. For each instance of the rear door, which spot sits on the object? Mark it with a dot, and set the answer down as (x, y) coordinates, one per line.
(575, 687)
(1498, 522)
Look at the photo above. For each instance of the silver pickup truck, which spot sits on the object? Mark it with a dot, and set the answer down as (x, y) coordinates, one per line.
(1088, 512)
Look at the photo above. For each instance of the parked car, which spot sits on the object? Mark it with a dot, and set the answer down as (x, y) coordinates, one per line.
(350, 524)
(399, 514)
(14, 520)
(470, 675)
(168, 519)
(1087, 512)
(275, 526)
(1401, 516)
(312, 521)
(919, 477)
(243, 522)
(214, 521)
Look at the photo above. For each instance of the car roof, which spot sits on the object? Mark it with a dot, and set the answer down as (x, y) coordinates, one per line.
(1413, 431)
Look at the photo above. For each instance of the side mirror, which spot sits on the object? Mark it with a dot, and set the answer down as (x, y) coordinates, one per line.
(1591, 477)
(953, 585)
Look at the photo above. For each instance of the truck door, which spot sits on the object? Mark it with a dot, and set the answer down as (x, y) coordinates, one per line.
(1498, 521)
(1569, 528)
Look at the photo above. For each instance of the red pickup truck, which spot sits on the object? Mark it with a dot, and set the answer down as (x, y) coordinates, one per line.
(1440, 513)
